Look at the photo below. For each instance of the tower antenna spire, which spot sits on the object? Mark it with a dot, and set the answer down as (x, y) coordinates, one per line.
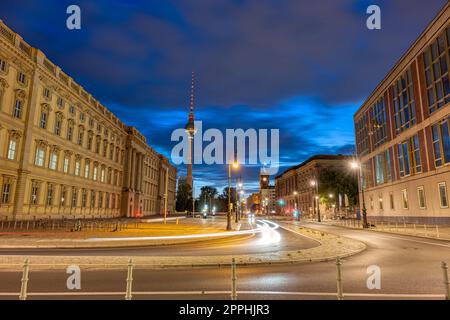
(191, 103)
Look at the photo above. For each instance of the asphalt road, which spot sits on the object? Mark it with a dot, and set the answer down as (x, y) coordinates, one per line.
(410, 269)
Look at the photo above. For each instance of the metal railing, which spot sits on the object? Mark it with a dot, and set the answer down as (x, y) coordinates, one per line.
(233, 293)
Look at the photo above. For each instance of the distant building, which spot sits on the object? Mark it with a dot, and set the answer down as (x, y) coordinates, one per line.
(293, 187)
(63, 154)
(266, 194)
(253, 202)
(403, 134)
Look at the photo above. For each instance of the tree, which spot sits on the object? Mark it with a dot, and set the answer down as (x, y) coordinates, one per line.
(337, 181)
(207, 197)
(184, 196)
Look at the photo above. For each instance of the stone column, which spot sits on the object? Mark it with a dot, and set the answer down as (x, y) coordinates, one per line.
(127, 172)
(140, 171)
(133, 169)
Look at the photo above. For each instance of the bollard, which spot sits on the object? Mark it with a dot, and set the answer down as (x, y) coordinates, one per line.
(414, 226)
(437, 231)
(23, 288)
(15, 224)
(128, 294)
(340, 291)
(233, 279)
(446, 282)
(177, 220)
(425, 228)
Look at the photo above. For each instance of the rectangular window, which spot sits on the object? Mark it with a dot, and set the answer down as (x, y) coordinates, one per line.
(94, 177)
(107, 200)
(403, 102)
(62, 199)
(34, 193)
(17, 113)
(405, 199)
(53, 163)
(49, 194)
(362, 134)
(80, 136)
(60, 102)
(2, 65)
(391, 200)
(6, 190)
(416, 154)
(92, 199)
(443, 198)
(382, 167)
(74, 197)
(46, 93)
(102, 176)
(86, 170)
(441, 143)
(378, 113)
(421, 197)
(83, 198)
(12, 149)
(40, 155)
(66, 165)
(77, 167)
(436, 73)
(22, 78)
(58, 122)
(69, 133)
(380, 201)
(43, 121)
(72, 110)
(100, 199)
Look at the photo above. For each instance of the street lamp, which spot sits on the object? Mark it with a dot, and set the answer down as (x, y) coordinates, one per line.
(235, 166)
(357, 166)
(315, 185)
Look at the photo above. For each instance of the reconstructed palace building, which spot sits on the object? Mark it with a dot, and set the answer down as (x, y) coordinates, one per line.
(402, 133)
(63, 154)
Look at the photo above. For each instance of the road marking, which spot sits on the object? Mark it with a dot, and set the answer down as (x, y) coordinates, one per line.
(243, 292)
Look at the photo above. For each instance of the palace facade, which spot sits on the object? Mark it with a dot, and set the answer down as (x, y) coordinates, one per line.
(402, 133)
(63, 154)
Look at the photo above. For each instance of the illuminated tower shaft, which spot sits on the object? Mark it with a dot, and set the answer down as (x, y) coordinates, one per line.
(190, 130)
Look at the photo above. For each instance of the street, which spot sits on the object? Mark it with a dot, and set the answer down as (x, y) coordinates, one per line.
(410, 268)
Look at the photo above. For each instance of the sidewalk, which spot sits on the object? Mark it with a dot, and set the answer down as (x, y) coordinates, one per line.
(441, 232)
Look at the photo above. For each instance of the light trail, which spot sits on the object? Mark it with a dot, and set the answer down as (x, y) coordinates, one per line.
(264, 226)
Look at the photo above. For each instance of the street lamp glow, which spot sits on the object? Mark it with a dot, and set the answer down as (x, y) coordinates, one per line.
(317, 197)
(313, 183)
(240, 184)
(295, 193)
(235, 165)
(331, 195)
(354, 165)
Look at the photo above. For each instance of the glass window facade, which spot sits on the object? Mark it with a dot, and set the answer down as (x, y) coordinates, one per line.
(436, 61)
(403, 102)
(378, 128)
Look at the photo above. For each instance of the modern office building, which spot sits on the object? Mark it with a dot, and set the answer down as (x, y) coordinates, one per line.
(63, 154)
(297, 187)
(402, 133)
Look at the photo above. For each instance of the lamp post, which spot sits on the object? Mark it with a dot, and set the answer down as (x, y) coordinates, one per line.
(357, 166)
(235, 165)
(315, 185)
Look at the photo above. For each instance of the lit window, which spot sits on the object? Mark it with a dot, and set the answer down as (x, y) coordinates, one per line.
(77, 167)
(34, 193)
(40, 154)
(95, 173)
(380, 201)
(12, 149)
(66, 165)
(403, 102)
(86, 170)
(74, 197)
(53, 161)
(441, 143)
(443, 195)
(391, 200)
(102, 177)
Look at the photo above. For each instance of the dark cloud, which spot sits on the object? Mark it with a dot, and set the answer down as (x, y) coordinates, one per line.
(298, 65)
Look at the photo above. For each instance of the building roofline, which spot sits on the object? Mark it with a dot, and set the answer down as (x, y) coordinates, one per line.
(410, 49)
(316, 157)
